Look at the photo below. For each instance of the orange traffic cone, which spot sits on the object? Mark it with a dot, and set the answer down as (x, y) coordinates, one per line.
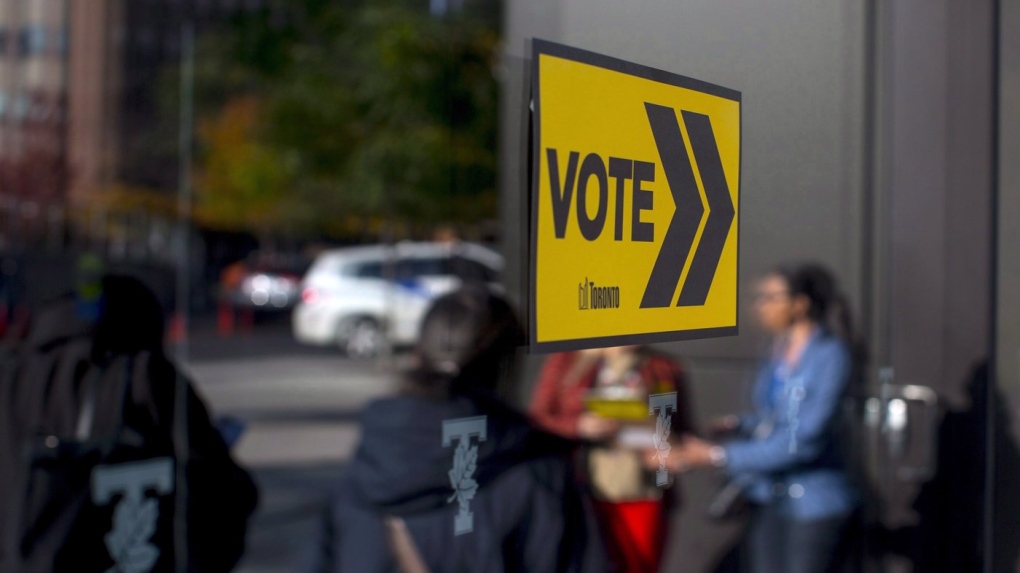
(224, 319)
(177, 332)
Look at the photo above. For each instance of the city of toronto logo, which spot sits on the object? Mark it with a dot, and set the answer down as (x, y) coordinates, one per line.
(591, 296)
(465, 461)
(135, 516)
(664, 405)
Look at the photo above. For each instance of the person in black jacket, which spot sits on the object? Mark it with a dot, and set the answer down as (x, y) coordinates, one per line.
(91, 395)
(498, 497)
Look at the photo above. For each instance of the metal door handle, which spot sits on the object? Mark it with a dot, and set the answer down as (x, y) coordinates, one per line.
(901, 432)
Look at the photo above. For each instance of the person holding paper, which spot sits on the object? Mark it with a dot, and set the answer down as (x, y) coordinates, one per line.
(602, 397)
(786, 453)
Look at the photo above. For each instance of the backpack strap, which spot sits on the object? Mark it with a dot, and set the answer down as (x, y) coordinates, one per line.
(47, 442)
(130, 373)
(57, 369)
(120, 433)
(32, 384)
(409, 559)
(88, 405)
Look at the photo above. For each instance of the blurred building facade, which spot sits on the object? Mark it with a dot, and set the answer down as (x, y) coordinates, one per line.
(81, 84)
(33, 113)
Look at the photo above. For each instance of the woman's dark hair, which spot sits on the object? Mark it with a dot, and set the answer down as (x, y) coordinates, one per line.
(468, 343)
(827, 306)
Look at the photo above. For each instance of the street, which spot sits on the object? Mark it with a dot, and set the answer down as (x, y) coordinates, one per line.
(301, 409)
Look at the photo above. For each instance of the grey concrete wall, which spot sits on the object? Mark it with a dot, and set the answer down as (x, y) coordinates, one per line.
(1008, 327)
(937, 158)
(1009, 206)
(800, 66)
(933, 208)
(1008, 300)
(894, 192)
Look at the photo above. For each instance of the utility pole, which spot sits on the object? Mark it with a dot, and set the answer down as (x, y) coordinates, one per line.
(181, 445)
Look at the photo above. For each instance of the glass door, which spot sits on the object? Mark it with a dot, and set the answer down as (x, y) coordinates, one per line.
(925, 413)
(1004, 430)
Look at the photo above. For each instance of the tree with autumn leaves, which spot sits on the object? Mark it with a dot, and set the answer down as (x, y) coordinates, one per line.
(348, 118)
(242, 184)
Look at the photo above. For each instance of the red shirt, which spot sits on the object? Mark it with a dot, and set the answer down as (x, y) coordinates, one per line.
(557, 403)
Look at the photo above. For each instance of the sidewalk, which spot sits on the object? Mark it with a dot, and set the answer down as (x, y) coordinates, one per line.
(301, 406)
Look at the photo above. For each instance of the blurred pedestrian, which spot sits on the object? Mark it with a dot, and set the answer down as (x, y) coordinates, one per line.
(786, 454)
(446, 234)
(232, 313)
(621, 465)
(90, 444)
(447, 476)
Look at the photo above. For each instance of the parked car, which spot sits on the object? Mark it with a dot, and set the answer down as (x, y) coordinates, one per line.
(270, 284)
(365, 299)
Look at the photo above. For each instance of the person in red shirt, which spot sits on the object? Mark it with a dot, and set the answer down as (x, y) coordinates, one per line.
(620, 455)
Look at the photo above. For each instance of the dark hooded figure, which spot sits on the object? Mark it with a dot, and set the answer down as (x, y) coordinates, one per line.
(448, 477)
(91, 393)
(221, 495)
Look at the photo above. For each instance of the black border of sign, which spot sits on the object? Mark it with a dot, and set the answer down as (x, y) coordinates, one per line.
(538, 48)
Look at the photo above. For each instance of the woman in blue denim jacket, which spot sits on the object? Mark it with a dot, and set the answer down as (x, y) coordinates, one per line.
(787, 453)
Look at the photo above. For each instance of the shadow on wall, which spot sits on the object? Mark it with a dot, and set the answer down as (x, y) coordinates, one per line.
(949, 537)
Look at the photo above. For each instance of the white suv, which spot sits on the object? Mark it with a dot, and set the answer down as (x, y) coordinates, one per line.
(365, 298)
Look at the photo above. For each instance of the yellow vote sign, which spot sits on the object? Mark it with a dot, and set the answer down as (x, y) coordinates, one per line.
(635, 203)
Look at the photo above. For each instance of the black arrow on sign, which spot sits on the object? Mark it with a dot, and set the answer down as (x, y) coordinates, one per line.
(679, 239)
(676, 245)
(720, 210)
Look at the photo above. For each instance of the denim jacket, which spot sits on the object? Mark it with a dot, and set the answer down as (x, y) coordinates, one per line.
(792, 453)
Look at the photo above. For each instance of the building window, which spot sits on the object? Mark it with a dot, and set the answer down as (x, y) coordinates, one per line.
(3, 41)
(3, 104)
(59, 42)
(32, 40)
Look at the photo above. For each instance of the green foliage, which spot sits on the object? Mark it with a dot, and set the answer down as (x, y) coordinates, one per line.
(353, 111)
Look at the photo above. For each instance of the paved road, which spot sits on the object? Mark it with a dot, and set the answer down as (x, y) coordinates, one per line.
(301, 407)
